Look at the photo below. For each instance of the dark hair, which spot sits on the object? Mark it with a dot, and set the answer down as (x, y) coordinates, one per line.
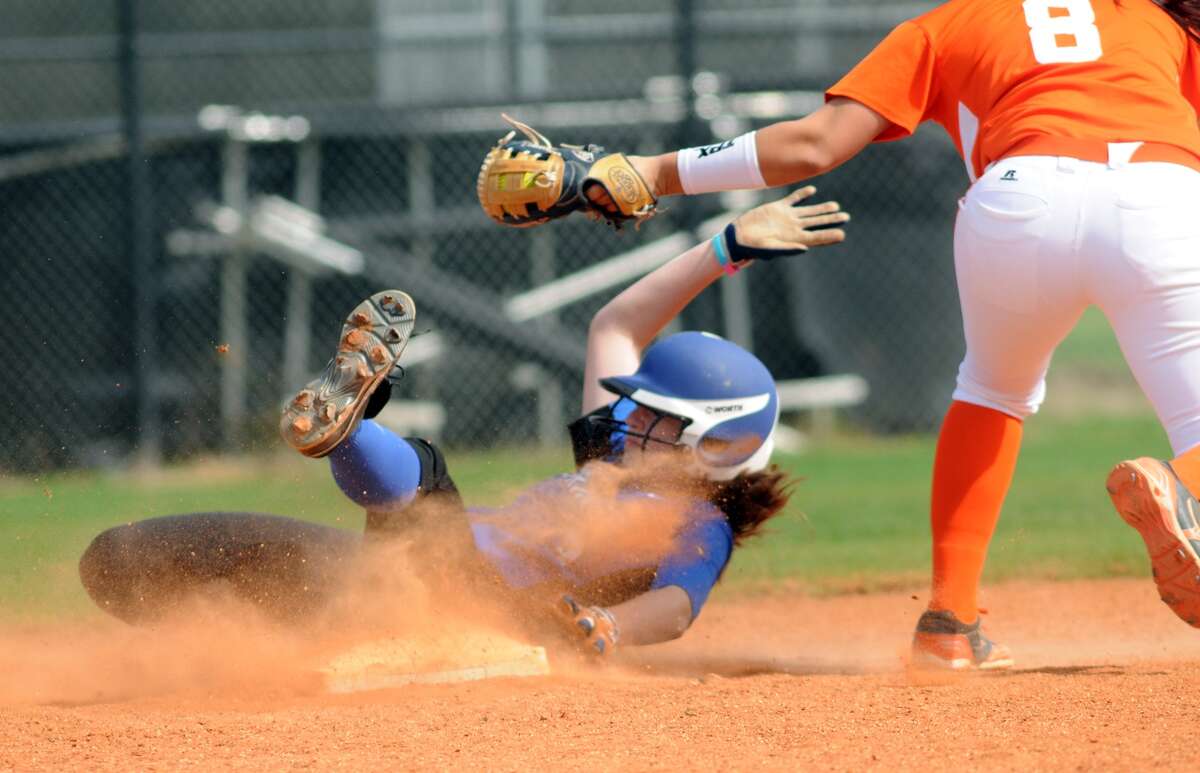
(1186, 14)
(751, 499)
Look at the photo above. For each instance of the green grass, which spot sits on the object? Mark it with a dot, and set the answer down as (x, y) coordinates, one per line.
(861, 517)
(859, 520)
(47, 522)
(1091, 346)
(865, 503)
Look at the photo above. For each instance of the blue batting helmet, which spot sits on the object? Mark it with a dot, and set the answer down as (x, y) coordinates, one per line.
(724, 394)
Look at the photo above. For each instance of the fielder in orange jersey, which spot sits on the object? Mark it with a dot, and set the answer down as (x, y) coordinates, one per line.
(1077, 122)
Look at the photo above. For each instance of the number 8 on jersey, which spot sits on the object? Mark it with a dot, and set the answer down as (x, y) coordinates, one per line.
(1063, 38)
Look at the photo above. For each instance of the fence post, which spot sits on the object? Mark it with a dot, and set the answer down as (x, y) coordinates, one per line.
(530, 59)
(297, 334)
(734, 300)
(551, 407)
(139, 236)
(691, 132)
(235, 176)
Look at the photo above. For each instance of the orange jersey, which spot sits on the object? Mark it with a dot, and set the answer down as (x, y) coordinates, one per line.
(1043, 77)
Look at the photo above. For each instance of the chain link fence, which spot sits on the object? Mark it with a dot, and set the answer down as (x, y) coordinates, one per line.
(195, 195)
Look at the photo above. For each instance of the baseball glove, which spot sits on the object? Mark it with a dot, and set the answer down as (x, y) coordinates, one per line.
(525, 182)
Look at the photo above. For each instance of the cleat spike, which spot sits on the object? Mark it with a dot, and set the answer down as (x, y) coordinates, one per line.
(355, 338)
(302, 425)
(392, 306)
(392, 335)
(360, 319)
(379, 355)
(328, 413)
(304, 400)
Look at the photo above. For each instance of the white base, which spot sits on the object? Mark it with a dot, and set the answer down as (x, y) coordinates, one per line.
(446, 659)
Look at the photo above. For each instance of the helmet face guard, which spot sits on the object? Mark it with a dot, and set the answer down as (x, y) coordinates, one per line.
(664, 428)
(726, 436)
(605, 433)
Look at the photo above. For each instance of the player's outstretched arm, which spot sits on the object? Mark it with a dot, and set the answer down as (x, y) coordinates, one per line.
(656, 616)
(629, 322)
(783, 153)
(683, 581)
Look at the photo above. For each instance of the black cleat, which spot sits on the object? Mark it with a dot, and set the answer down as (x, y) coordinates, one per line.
(322, 414)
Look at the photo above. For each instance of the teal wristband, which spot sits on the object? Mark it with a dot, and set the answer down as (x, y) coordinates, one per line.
(722, 253)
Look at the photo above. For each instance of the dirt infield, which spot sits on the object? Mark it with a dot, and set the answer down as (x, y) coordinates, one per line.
(1107, 678)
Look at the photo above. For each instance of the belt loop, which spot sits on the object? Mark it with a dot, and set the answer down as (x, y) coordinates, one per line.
(1067, 164)
(1121, 153)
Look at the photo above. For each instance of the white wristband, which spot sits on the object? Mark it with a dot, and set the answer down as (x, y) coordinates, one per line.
(731, 165)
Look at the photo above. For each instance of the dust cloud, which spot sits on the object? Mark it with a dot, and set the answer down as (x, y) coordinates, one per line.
(416, 584)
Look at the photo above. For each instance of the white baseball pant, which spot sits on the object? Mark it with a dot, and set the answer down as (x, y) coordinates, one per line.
(1038, 239)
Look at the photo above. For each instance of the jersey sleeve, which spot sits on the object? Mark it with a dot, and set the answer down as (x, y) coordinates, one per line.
(699, 558)
(895, 80)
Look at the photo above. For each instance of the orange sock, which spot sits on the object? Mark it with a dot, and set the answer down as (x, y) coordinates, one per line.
(976, 455)
(1187, 467)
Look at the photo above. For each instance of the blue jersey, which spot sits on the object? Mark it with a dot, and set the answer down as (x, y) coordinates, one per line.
(550, 534)
(534, 541)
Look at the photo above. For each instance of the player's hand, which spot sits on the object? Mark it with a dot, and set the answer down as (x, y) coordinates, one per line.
(593, 628)
(646, 169)
(785, 227)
